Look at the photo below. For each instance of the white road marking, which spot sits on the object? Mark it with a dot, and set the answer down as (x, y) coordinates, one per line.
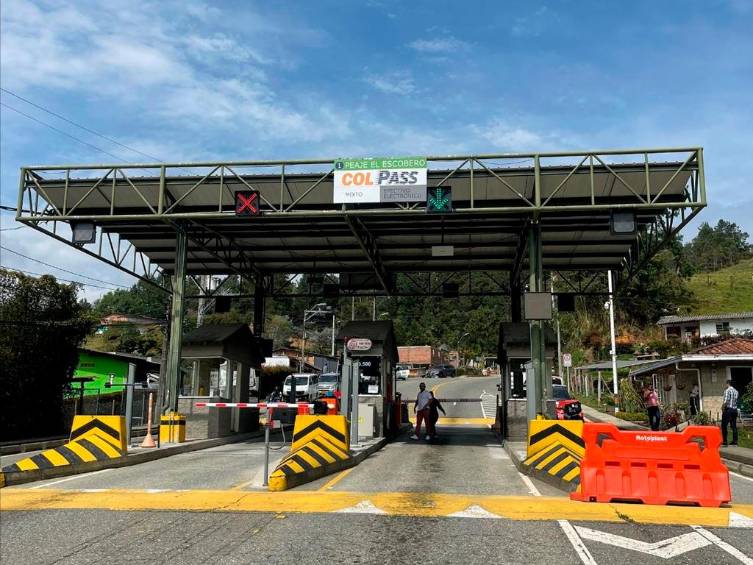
(723, 545)
(567, 528)
(666, 549)
(577, 543)
(473, 511)
(81, 476)
(488, 405)
(739, 521)
(739, 476)
(363, 507)
(531, 487)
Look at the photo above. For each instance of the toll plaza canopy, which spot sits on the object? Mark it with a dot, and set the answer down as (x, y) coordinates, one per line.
(139, 210)
(564, 212)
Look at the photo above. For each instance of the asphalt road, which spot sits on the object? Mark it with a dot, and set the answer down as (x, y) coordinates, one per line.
(397, 506)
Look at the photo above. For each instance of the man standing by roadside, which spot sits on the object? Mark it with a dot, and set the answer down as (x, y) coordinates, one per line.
(729, 412)
(421, 408)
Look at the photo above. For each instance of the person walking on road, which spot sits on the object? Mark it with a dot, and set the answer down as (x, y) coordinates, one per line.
(652, 407)
(729, 412)
(434, 407)
(421, 408)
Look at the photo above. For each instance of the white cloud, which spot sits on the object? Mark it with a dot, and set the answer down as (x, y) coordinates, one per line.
(149, 62)
(399, 82)
(435, 45)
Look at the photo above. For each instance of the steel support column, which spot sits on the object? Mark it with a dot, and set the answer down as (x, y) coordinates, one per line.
(536, 386)
(172, 372)
(515, 298)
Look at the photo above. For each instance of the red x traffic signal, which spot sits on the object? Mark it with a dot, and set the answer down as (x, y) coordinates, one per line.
(247, 203)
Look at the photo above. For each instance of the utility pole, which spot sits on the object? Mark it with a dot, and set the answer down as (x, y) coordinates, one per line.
(333, 333)
(614, 345)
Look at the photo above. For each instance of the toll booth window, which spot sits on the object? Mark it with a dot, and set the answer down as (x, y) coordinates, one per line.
(370, 381)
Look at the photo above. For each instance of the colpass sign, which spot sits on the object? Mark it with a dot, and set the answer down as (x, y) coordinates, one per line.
(390, 179)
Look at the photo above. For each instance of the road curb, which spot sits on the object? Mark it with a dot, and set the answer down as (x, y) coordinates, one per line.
(542, 476)
(22, 477)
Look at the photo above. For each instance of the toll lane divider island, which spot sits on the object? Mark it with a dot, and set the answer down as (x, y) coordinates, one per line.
(93, 438)
(321, 446)
(555, 451)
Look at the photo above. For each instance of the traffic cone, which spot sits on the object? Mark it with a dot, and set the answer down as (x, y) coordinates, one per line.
(148, 439)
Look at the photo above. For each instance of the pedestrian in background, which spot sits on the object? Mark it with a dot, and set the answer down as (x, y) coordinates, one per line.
(729, 412)
(694, 401)
(434, 407)
(652, 407)
(421, 409)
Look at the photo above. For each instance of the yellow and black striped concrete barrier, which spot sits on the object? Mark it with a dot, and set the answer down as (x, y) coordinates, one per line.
(555, 450)
(93, 438)
(172, 428)
(320, 447)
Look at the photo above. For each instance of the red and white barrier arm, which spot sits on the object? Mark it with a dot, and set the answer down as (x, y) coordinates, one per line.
(252, 404)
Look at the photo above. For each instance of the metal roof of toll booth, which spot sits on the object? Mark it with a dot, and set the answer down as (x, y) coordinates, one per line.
(138, 208)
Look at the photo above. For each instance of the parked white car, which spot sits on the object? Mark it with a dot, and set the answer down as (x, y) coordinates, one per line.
(305, 387)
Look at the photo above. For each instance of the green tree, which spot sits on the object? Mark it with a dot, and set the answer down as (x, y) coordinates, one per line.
(142, 299)
(720, 246)
(42, 326)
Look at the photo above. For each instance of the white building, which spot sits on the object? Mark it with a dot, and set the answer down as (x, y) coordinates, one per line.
(710, 325)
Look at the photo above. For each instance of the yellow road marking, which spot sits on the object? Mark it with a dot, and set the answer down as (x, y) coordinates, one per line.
(336, 479)
(241, 486)
(435, 388)
(393, 503)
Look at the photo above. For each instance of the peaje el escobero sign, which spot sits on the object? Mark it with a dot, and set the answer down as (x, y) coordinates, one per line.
(358, 344)
(382, 179)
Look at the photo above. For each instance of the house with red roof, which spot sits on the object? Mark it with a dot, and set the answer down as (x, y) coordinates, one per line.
(708, 367)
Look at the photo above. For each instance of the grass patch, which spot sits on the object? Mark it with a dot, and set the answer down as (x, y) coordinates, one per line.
(726, 290)
(744, 437)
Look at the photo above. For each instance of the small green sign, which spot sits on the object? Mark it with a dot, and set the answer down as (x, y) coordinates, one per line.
(439, 200)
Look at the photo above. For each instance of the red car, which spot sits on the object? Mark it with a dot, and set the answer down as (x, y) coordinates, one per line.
(566, 407)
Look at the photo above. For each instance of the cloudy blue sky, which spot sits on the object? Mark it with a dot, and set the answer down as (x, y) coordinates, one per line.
(186, 80)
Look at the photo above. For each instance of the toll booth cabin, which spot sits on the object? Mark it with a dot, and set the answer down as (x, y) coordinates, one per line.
(368, 377)
(514, 355)
(219, 359)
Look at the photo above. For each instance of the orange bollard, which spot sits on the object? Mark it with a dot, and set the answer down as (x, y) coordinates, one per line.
(149, 440)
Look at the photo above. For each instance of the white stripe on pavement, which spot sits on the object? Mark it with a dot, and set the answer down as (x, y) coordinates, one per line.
(723, 545)
(82, 475)
(567, 528)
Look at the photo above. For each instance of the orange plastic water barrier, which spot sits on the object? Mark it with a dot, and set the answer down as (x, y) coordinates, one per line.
(653, 467)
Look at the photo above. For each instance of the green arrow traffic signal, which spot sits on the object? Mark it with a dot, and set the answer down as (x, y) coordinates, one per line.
(439, 200)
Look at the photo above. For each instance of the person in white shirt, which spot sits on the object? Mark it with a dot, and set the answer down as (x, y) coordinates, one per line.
(421, 408)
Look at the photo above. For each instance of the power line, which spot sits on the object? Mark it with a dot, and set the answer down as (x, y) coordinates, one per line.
(89, 130)
(57, 278)
(61, 268)
(32, 118)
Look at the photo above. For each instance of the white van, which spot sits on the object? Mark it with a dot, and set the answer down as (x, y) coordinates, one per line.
(305, 387)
